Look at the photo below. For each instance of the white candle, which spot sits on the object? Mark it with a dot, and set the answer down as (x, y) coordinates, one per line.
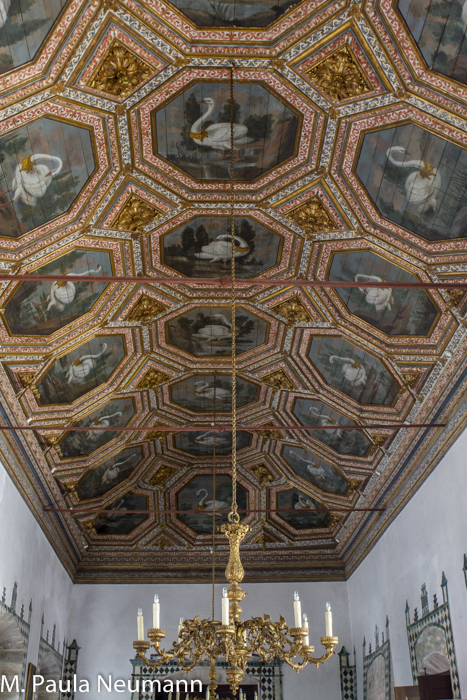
(180, 625)
(170, 696)
(256, 696)
(177, 697)
(225, 607)
(328, 617)
(297, 609)
(156, 613)
(140, 625)
(207, 693)
(306, 641)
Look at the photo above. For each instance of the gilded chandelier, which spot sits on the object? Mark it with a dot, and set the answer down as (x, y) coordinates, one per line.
(232, 638)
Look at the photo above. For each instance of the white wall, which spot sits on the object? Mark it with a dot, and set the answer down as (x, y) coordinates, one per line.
(104, 623)
(27, 557)
(429, 536)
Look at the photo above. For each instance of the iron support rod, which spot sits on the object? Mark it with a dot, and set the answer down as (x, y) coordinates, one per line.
(89, 511)
(217, 428)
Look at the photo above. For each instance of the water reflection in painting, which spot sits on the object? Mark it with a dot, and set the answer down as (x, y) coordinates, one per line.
(41, 308)
(24, 24)
(319, 473)
(109, 474)
(439, 30)
(201, 248)
(394, 311)
(208, 332)
(193, 131)
(197, 496)
(233, 13)
(112, 522)
(417, 180)
(303, 511)
(81, 370)
(203, 392)
(200, 443)
(114, 414)
(353, 371)
(347, 442)
(44, 166)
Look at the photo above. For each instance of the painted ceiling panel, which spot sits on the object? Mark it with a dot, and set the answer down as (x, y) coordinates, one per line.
(349, 166)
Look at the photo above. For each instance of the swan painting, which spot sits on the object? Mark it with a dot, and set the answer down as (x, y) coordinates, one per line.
(210, 392)
(32, 178)
(313, 468)
(220, 250)
(63, 293)
(112, 472)
(208, 440)
(4, 7)
(218, 135)
(304, 504)
(216, 331)
(326, 420)
(81, 367)
(352, 370)
(210, 505)
(422, 186)
(379, 297)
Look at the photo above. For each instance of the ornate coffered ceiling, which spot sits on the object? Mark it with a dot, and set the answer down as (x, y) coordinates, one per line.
(350, 165)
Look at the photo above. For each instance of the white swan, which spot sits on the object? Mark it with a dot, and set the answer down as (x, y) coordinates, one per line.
(464, 17)
(380, 298)
(63, 293)
(31, 180)
(326, 420)
(304, 504)
(216, 331)
(210, 505)
(112, 472)
(218, 135)
(4, 7)
(203, 389)
(351, 369)
(220, 250)
(81, 367)
(421, 186)
(313, 468)
(208, 439)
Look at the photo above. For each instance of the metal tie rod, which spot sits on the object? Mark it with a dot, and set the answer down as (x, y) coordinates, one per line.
(219, 428)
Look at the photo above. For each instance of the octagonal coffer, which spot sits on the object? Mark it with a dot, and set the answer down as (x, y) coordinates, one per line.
(201, 443)
(42, 308)
(353, 371)
(315, 470)
(81, 370)
(301, 511)
(417, 180)
(201, 247)
(438, 29)
(347, 442)
(197, 496)
(106, 476)
(207, 332)
(405, 312)
(113, 522)
(233, 14)
(206, 393)
(45, 165)
(192, 131)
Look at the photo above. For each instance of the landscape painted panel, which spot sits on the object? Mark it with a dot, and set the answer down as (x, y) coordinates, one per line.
(319, 473)
(346, 442)
(81, 370)
(109, 474)
(353, 371)
(24, 24)
(41, 308)
(114, 414)
(114, 523)
(202, 443)
(438, 29)
(43, 168)
(307, 513)
(193, 131)
(392, 311)
(202, 248)
(208, 332)
(198, 496)
(417, 180)
(233, 13)
(206, 392)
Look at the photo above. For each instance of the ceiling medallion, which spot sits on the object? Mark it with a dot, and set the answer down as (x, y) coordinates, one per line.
(135, 215)
(312, 216)
(52, 442)
(339, 75)
(162, 476)
(146, 310)
(152, 379)
(377, 442)
(271, 434)
(26, 380)
(262, 474)
(119, 72)
(455, 297)
(410, 379)
(278, 380)
(293, 310)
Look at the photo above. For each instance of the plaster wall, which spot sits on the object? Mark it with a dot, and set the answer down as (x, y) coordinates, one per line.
(27, 558)
(429, 536)
(104, 623)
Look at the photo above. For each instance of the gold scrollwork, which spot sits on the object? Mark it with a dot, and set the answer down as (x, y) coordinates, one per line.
(312, 216)
(120, 72)
(135, 215)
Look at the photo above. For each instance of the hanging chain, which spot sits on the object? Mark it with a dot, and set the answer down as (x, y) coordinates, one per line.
(233, 515)
(214, 506)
